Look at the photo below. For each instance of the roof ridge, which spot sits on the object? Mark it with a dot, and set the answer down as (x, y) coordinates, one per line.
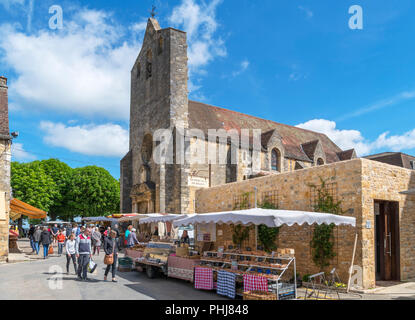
(248, 115)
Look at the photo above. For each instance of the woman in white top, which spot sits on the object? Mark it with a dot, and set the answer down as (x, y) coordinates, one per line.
(70, 252)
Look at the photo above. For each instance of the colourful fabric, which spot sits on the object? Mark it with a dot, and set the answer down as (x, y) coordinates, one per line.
(226, 284)
(203, 278)
(255, 283)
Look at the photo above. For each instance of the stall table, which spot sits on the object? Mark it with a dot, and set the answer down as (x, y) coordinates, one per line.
(181, 267)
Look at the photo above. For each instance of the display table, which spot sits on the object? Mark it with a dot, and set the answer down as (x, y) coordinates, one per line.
(181, 268)
(132, 253)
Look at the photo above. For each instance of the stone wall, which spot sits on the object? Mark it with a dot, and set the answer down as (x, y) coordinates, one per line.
(5, 158)
(356, 183)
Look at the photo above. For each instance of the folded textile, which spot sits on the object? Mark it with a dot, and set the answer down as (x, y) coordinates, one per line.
(203, 278)
(226, 284)
(255, 283)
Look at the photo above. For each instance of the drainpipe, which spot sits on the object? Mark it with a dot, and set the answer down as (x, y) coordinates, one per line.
(256, 191)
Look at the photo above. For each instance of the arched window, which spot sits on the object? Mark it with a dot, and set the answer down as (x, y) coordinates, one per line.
(138, 70)
(160, 46)
(320, 162)
(276, 160)
(147, 148)
(149, 65)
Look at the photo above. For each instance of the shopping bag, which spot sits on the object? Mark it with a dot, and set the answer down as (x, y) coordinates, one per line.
(50, 249)
(91, 266)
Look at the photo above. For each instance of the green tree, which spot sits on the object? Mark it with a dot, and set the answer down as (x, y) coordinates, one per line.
(92, 191)
(31, 184)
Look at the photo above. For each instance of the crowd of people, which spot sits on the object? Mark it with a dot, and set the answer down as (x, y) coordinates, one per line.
(81, 243)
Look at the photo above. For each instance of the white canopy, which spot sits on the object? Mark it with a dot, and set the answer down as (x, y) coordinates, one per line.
(162, 218)
(268, 217)
(138, 217)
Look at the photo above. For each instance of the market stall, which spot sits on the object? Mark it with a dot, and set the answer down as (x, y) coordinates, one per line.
(181, 263)
(252, 273)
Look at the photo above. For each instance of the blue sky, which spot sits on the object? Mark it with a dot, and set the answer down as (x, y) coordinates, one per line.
(295, 62)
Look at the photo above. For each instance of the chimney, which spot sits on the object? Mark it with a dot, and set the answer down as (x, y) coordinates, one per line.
(4, 107)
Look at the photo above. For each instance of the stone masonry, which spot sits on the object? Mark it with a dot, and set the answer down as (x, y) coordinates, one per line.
(5, 158)
(356, 183)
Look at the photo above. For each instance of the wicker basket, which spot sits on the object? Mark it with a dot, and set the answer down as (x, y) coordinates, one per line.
(259, 295)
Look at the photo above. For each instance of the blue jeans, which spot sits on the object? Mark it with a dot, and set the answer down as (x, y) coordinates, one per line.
(36, 244)
(60, 247)
(45, 250)
(32, 244)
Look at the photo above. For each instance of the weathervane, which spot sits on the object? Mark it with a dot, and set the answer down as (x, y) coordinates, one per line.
(153, 11)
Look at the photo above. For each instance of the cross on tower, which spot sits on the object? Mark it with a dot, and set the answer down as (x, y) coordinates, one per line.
(153, 11)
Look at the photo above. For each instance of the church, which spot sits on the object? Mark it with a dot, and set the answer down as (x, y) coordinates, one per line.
(159, 100)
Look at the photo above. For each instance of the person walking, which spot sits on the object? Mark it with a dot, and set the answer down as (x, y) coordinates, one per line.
(111, 248)
(46, 240)
(96, 240)
(132, 238)
(55, 231)
(83, 253)
(32, 242)
(71, 253)
(61, 237)
(36, 239)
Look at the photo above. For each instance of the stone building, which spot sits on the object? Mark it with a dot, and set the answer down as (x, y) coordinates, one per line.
(159, 100)
(369, 190)
(5, 158)
(395, 158)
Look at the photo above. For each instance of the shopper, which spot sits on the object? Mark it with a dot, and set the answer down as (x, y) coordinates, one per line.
(132, 238)
(68, 232)
(76, 230)
(61, 237)
(96, 240)
(46, 240)
(36, 239)
(55, 231)
(111, 248)
(32, 242)
(71, 252)
(83, 253)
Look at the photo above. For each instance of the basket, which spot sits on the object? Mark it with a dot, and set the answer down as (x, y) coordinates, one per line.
(126, 262)
(182, 251)
(259, 295)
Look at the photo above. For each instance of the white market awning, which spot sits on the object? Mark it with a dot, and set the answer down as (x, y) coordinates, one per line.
(268, 217)
(162, 218)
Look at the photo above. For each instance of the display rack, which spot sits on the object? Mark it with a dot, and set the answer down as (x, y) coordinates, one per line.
(250, 262)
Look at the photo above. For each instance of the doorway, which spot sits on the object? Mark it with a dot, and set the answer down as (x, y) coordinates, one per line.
(387, 243)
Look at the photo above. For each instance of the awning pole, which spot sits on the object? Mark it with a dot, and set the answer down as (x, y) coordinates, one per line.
(351, 265)
(256, 190)
(256, 237)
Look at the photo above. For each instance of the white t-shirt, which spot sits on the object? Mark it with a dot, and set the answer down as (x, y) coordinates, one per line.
(70, 247)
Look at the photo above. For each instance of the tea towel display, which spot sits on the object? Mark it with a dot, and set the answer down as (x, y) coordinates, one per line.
(255, 283)
(226, 284)
(203, 278)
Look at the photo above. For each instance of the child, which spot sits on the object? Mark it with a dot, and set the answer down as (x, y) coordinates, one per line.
(61, 237)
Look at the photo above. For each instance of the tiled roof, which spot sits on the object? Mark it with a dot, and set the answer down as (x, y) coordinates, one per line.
(204, 117)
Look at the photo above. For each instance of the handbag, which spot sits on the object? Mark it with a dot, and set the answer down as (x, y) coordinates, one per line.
(50, 251)
(109, 259)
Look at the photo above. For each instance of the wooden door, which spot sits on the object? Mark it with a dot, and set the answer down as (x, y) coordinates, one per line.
(388, 242)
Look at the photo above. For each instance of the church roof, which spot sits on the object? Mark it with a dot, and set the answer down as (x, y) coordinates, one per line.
(204, 117)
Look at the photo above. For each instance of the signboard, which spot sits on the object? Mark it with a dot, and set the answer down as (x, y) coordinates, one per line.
(198, 182)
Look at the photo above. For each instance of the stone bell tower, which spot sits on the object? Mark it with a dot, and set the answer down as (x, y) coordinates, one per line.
(159, 100)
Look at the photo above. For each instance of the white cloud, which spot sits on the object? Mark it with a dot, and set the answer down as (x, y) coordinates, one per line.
(9, 3)
(83, 68)
(242, 68)
(307, 11)
(110, 140)
(20, 154)
(345, 139)
(388, 102)
(199, 21)
(348, 139)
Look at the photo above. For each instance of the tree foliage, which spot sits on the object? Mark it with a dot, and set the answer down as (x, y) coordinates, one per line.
(65, 193)
(266, 235)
